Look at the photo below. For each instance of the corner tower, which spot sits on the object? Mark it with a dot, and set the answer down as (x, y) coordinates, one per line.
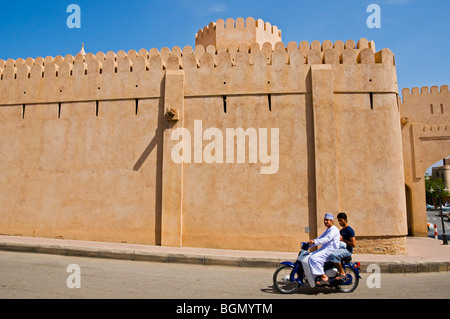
(238, 32)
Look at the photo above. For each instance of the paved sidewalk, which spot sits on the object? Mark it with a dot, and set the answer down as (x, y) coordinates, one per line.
(423, 254)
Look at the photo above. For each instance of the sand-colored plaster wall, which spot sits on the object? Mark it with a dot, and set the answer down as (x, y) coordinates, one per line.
(231, 204)
(91, 157)
(371, 183)
(78, 176)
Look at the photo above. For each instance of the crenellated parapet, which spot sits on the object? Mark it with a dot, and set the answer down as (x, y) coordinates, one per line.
(428, 105)
(212, 70)
(424, 92)
(226, 33)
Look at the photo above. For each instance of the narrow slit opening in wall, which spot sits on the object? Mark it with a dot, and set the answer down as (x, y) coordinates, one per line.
(59, 110)
(371, 101)
(224, 104)
(431, 109)
(96, 108)
(23, 111)
(442, 108)
(136, 106)
(269, 98)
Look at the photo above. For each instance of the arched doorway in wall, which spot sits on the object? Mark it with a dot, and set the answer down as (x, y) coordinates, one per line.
(423, 147)
(409, 209)
(425, 125)
(438, 178)
(416, 199)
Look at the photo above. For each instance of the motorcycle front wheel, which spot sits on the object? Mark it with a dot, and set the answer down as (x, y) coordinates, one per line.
(281, 280)
(349, 284)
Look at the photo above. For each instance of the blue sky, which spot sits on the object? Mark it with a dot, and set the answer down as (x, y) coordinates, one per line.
(416, 31)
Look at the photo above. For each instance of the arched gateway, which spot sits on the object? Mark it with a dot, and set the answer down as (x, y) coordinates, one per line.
(425, 118)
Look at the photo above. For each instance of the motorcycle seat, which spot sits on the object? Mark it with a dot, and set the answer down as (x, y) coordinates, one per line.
(346, 260)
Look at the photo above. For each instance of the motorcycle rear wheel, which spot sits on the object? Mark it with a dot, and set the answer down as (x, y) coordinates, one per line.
(350, 272)
(281, 280)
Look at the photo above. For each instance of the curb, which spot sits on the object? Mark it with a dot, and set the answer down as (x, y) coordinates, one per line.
(409, 266)
(135, 255)
(208, 260)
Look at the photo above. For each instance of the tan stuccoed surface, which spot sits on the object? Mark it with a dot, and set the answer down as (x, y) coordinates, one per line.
(86, 143)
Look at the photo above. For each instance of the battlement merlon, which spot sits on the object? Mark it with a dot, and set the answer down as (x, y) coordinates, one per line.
(425, 92)
(211, 70)
(231, 32)
(136, 75)
(426, 105)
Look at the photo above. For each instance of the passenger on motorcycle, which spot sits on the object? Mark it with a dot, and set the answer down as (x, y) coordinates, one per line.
(330, 242)
(347, 237)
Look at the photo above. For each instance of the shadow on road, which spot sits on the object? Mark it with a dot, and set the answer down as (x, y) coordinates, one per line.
(303, 290)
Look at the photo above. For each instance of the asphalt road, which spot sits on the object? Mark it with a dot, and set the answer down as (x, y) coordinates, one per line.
(39, 276)
(433, 217)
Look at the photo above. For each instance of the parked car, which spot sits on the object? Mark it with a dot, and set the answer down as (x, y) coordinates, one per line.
(445, 212)
(444, 208)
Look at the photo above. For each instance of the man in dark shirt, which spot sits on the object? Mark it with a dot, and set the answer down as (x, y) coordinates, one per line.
(348, 237)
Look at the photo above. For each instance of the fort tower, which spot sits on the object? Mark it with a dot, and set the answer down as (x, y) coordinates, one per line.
(223, 34)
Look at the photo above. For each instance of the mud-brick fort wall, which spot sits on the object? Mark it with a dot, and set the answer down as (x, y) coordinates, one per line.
(87, 144)
(425, 118)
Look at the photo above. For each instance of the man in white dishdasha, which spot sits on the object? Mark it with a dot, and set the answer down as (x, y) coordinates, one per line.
(330, 242)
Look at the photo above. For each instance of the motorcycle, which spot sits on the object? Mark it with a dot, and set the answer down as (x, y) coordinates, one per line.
(290, 276)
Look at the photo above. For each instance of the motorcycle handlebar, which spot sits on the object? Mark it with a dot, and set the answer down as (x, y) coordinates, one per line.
(305, 246)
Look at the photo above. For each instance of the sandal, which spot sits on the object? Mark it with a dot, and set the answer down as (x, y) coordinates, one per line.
(339, 277)
(321, 282)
